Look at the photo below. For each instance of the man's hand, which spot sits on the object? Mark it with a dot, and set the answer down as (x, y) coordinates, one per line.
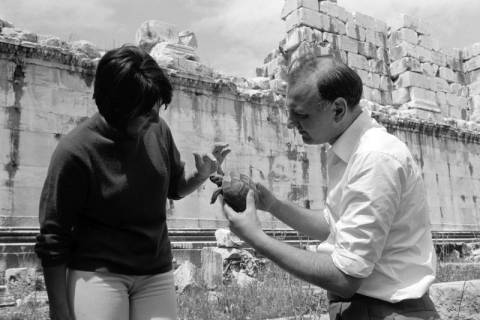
(246, 224)
(265, 199)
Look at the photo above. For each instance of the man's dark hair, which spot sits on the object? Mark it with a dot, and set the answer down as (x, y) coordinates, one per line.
(128, 83)
(334, 79)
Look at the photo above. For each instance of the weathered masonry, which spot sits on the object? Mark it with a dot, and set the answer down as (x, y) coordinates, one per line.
(427, 96)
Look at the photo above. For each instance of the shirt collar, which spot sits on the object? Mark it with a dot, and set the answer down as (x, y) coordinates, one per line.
(346, 143)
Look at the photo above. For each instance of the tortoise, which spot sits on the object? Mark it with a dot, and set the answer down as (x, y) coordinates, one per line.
(233, 190)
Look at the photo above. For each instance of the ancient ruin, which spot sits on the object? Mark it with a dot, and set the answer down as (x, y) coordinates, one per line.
(427, 95)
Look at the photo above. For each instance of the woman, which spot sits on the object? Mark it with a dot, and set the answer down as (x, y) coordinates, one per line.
(103, 237)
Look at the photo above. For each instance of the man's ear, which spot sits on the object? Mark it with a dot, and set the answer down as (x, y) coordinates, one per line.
(340, 107)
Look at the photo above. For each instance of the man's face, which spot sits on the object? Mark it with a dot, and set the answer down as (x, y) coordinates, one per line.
(312, 116)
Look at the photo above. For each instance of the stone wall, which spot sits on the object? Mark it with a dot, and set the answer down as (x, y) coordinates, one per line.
(426, 96)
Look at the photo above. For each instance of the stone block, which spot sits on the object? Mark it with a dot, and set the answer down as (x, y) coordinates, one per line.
(355, 31)
(297, 35)
(367, 49)
(471, 51)
(26, 200)
(429, 42)
(455, 63)
(386, 98)
(357, 61)
(7, 147)
(404, 49)
(330, 38)
(439, 58)
(456, 88)
(472, 64)
(211, 268)
(385, 83)
(308, 17)
(375, 37)
(441, 98)
(29, 176)
(424, 55)
(292, 5)
(412, 79)
(376, 95)
(441, 85)
(186, 277)
(381, 26)
(423, 97)
(447, 74)
(382, 54)
(36, 148)
(334, 10)
(400, 96)
(403, 34)
(364, 21)
(347, 44)
(377, 66)
(410, 22)
(6, 200)
(475, 104)
(456, 101)
(429, 69)
(474, 88)
(337, 26)
(405, 64)
(369, 79)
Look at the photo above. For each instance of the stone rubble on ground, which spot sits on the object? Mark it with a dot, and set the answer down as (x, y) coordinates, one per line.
(226, 239)
(186, 276)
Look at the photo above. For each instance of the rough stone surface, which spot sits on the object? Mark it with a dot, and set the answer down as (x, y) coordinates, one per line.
(457, 300)
(291, 5)
(225, 238)
(307, 17)
(152, 32)
(429, 42)
(188, 38)
(405, 64)
(347, 44)
(403, 34)
(212, 268)
(357, 61)
(412, 79)
(86, 47)
(355, 31)
(423, 97)
(186, 277)
(334, 10)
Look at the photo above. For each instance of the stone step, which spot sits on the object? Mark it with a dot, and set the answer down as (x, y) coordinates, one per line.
(6, 299)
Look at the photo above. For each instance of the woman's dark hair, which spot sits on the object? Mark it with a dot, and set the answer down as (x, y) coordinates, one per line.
(128, 83)
(334, 79)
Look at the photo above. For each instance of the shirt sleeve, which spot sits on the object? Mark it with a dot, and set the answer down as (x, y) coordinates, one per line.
(177, 168)
(369, 203)
(63, 196)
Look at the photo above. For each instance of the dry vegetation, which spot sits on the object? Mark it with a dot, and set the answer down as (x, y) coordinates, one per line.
(277, 294)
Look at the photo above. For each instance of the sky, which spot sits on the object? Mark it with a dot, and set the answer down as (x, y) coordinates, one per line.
(234, 36)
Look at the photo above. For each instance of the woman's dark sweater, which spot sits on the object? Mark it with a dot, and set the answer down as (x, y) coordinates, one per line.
(103, 204)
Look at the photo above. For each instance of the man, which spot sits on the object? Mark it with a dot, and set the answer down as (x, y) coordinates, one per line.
(376, 216)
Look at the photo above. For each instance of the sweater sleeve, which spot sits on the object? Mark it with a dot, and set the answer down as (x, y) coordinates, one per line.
(177, 167)
(63, 196)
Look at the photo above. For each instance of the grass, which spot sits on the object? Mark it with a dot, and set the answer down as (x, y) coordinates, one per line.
(276, 294)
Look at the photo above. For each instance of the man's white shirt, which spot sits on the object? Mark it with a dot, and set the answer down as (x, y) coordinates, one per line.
(378, 214)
